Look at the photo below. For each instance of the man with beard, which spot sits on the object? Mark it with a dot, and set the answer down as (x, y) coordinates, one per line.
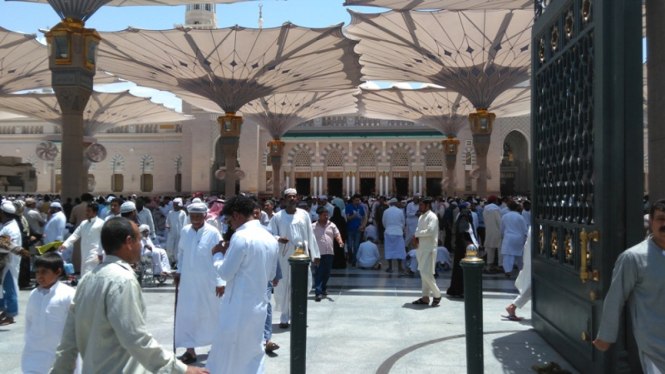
(200, 287)
(290, 226)
(425, 239)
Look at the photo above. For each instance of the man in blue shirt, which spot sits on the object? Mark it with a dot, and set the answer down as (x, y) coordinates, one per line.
(356, 220)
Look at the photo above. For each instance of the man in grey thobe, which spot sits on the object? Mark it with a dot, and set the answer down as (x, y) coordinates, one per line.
(638, 279)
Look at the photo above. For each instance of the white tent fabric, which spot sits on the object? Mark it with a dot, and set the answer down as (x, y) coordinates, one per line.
(444, 4)
(23, 62)
(104, 110)
(281, 112)
(227, 68)
(479, 54)
(442, 109)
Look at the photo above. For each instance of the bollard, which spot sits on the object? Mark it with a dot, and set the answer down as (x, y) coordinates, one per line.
(299, 263)
(473, 309)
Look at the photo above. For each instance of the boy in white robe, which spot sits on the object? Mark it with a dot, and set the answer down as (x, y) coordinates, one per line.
(45, 315)
(246, 266)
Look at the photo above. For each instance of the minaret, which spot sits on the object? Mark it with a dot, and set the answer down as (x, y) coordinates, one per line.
(201, 16)
(260, 16)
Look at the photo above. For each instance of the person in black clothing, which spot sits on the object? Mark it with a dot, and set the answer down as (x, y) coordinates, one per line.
(339, 261)
(462, 230)
(447, 224)
(67, 208)
(28, 240)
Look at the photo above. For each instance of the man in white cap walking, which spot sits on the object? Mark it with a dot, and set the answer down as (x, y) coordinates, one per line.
(199, 285)
(290, 226)
(175, 221)
(9, 295)
(55, 227)
(89, 231)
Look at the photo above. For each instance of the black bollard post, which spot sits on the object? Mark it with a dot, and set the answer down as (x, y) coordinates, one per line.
(299, 263)
(473, 310)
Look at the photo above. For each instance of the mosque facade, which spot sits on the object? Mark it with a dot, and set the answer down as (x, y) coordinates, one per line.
(338, 155)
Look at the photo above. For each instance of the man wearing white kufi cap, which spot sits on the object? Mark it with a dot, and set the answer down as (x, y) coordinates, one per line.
(9, 294)
(89, 231)
(160, 261)
(199, 285)
(175, 221)
(290, 226)
(55, 227)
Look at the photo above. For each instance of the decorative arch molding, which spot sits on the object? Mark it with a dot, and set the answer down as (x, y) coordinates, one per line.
(332, 146)
(409, 150)
(147, 164)
(430, 146)
(297, 148)
(117, 163)
(363, 147)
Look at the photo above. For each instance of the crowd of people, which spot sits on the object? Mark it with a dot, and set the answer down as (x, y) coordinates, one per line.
(227, 259)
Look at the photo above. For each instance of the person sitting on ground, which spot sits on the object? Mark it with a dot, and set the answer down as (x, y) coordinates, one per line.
(443, 261)
(371, 231)
(411, 263)
(368, 255)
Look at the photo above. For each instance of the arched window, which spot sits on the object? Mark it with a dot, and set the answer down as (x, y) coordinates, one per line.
(367, 158)
(302, 159)
(434, 157)
(334, 158)
(400, 157)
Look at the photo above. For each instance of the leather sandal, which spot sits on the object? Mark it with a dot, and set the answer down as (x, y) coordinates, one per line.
(436, 301)
(420, 302)
(187, 358)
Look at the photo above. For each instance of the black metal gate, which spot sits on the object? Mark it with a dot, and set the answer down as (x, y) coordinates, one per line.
(587, 183)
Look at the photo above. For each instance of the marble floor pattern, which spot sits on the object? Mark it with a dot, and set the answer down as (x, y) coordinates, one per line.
(367, 325)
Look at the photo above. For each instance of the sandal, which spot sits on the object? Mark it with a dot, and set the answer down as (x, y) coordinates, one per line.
(512, 317)
(284, 325)
(187, 358)
(270, 347)
(436, 301)
(420, 302)
(7, 321)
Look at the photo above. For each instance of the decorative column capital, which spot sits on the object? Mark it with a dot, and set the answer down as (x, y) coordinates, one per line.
(276, 147)
(230, 125)
(450, 146)
(481, 121)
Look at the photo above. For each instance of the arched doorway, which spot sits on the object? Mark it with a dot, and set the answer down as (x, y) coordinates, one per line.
(217, 185)
(515, 165)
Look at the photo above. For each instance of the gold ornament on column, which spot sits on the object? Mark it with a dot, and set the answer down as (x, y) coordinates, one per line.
(230, 124)
(450, 146)
(276, 147)
(60, 42)
(481, 121)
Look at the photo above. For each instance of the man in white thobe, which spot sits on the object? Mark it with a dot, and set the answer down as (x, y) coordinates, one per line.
(114, 209)
(89, 231)
(291, 226)
(426, 238)
(175, 221)
(160, 261)
(144, 216)
(393, 221)
(522, 283)
(200, 287)
(492, 217)
(246, 265)
(9, 294)
(411, 219)
(54, 230)
(513, 232)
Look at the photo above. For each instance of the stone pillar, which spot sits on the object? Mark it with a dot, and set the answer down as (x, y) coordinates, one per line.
(230, 126)
(450, 150)
(72, 63)
(276, 148)
(656, 97)
(481, 128)
(481, 143)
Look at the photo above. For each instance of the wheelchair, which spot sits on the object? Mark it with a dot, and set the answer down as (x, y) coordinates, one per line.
(145, 274)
